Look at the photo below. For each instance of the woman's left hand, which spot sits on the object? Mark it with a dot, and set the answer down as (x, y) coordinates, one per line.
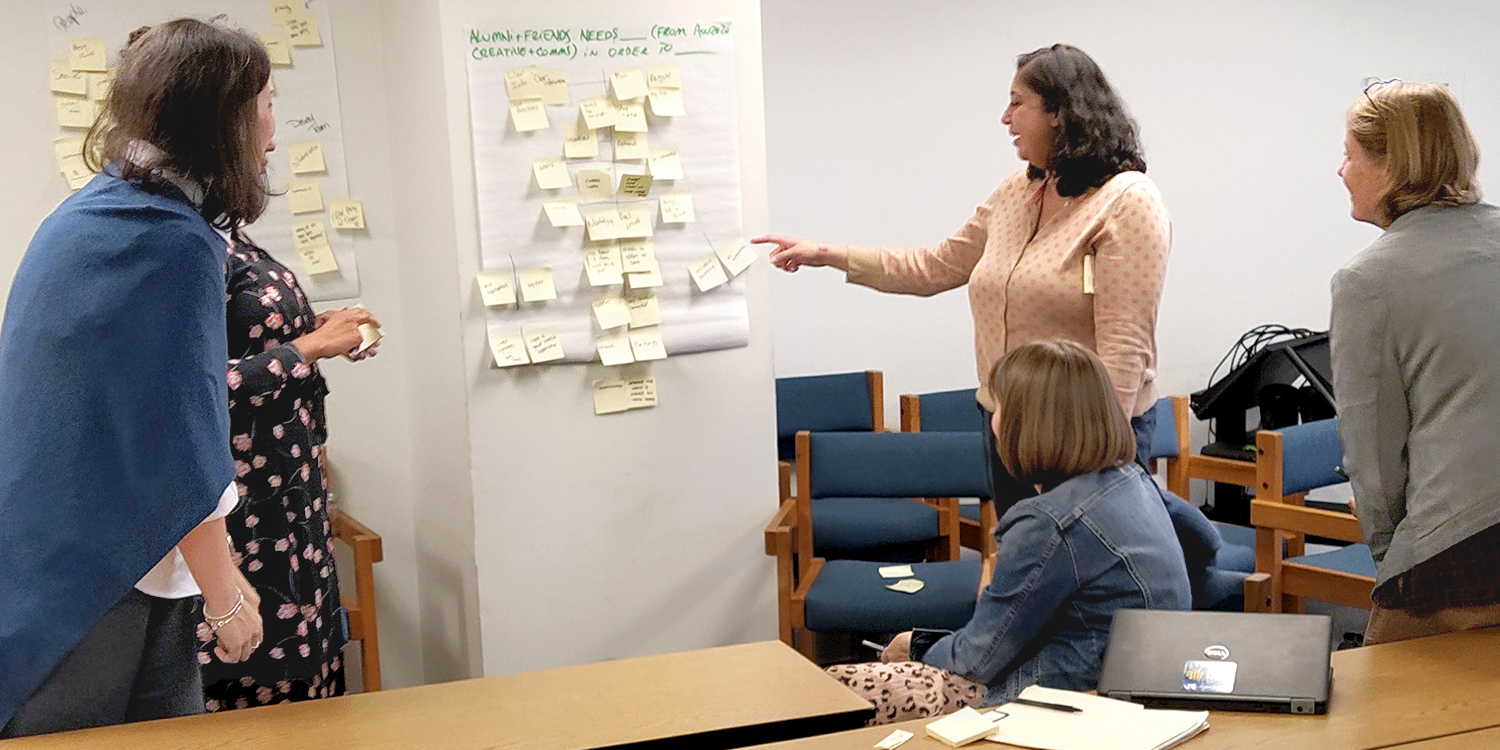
(899, 650)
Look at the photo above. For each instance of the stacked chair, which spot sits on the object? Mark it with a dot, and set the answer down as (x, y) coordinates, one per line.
(955, 411)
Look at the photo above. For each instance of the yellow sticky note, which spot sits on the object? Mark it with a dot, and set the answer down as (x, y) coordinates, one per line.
(907, 586)
(278, 47)
(676, 208)
(666, 103)
(665, 164)
(62, 79)
(284, 10)
(631, 146)
(318, 259)
(644, 279)
(579, 142)
(88, 53)
(521, 84)
(306, 157)
(667, 76)
(554, 86)
(611, 397)
(496, 288)
(707, 273)
(634, 185)
(895, 571)
(595, 186)
(65, 147)
(736, 255)
(637, 256)
(611, 312)
(99, 84)
(602, 261)
(1088, 274)
(614, 348)
(528, 116)
(603, 223)
(646, 345)
(509, 351)
(309, 233)
(630, 117)
(536, 284)
(551, 172)
(627, 83)
(303, 31)
(73, 112)
(369, 335)
(598, 112)
(543, 346)
(75, 171)
(644, 310)
(563, 214)
(347, 213)
(304, 196)
(635, 221)
(642, 391)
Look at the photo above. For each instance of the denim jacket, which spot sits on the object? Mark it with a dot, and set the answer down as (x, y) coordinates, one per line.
(1067, 559)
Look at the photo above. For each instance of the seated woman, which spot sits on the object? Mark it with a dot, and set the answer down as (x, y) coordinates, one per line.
(1095, 539)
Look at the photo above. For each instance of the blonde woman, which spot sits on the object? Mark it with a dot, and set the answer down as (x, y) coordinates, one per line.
(1416, 362)
(1095, 538)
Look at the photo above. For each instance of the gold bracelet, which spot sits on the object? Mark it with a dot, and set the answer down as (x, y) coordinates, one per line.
(214, 623)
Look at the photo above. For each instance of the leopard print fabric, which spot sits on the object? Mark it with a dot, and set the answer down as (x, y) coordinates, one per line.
(907, 690)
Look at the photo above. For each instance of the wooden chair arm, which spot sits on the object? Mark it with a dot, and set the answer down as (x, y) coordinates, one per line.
(784, 480)
(781, 526)
(355, 534)
(1303, 520)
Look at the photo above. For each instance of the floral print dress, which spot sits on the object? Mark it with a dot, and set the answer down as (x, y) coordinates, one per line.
(281, 533)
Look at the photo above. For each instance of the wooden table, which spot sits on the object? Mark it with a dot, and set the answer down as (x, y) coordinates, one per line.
(712, 698)
(1383, 696)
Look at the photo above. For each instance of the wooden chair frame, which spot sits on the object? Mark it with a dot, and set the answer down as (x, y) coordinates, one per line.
(367, 548)
(1187, 466)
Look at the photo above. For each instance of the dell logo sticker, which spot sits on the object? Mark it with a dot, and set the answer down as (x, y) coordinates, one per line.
(1216, 652)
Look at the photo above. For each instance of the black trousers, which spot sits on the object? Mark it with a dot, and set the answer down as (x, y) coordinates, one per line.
(139, 662)
(1007, 490)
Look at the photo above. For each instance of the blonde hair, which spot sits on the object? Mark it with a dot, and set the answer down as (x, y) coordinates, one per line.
(1417, 132)
(1059, 417)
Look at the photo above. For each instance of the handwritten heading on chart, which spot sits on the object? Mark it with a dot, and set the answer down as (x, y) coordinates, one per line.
(611, 43)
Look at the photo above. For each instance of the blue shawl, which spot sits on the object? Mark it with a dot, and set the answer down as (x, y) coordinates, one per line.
(114, 422)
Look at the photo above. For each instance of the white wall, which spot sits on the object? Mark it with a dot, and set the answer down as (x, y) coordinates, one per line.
(882, 120)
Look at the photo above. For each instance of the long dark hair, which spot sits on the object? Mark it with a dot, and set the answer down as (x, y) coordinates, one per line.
(189, 88)
(1096, 138)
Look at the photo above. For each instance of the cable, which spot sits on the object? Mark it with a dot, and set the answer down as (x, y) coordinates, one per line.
(1248, 345)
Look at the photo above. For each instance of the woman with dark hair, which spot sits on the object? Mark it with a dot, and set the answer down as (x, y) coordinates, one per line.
(1074, 246)
(117, 472)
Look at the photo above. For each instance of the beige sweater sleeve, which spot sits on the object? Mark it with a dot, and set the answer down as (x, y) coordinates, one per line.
(924, 271)
(1130, 271)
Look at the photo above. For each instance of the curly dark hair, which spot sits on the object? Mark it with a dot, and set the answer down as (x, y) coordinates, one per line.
(1096, 138)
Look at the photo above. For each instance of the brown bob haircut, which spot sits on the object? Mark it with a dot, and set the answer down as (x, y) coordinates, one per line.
(1417, 132)
(1059, 417)
(189, 88)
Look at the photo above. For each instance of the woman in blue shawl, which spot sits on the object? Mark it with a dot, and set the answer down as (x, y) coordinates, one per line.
(115, 468)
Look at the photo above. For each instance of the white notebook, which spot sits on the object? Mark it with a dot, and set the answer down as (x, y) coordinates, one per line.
(1103, 724)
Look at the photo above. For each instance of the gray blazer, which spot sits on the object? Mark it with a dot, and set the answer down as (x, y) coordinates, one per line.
(1416, 373)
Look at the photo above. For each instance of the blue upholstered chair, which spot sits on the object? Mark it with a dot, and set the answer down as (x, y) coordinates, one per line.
(869, 473)
(842, 402)
(955, 411)
(1289, 462)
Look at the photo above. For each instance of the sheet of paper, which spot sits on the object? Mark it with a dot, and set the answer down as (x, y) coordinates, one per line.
(614, 348)
(308, 233)
(543, 346)
(579, 141)
(554, 85)
(642, 391)
(666, 103)
(278, 47)
(536, 284)
(598, 112)
(496, 288)
(595, 186)
(665, 164)
(676, 208)
(611, 312)
(666, 76)
(304, 196)
(630, 117)
(611, 397)
(631, 146)
(347, 213)
(646, 344)
(895, 571)
(603, 223)
(318, 259)
(627, 83)
(707, 273)
(637, 256)
(75, 171)
(306, 157)
(88, 54)
(736, 255)
(73, 112)
(635, 221)
(895, 739)
(99, 84)
(602, 261)
(303, 31)
(563, 214)
(907, 586)
(284, 10)
(644, 279)
(551, 172)
(509, 351)
(521, 84)
(964, 726)
(644, 309)
(62, 79)
(634, 185)
(528, 116)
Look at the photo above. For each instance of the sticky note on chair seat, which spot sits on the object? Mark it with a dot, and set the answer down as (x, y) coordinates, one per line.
(896, 571)
(907, 586)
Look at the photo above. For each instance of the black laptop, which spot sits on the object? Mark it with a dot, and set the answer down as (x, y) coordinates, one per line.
(1229, 661)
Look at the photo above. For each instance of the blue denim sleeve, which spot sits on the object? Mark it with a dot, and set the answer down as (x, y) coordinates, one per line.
(1034, 575)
